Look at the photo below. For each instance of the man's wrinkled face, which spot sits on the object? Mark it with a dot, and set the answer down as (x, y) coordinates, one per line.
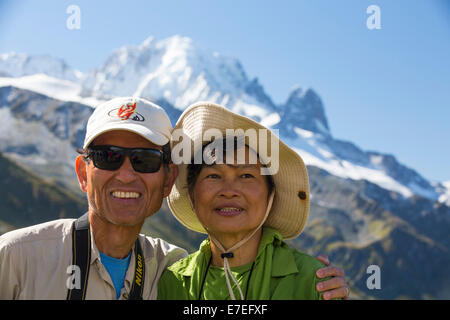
(123, 196)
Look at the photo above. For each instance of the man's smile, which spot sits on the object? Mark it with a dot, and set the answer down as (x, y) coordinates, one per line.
(125, 194)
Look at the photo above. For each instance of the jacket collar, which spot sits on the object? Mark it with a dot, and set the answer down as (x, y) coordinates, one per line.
(283, 258)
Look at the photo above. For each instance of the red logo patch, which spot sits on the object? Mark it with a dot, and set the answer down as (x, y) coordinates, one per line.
(126, 111)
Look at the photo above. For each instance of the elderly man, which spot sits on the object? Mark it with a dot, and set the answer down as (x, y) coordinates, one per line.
(125, 170)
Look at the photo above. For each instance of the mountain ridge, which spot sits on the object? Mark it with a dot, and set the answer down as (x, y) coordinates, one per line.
(302, 114)
(366, 206)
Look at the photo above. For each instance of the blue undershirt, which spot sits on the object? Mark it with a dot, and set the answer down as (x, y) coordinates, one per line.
(117, 269)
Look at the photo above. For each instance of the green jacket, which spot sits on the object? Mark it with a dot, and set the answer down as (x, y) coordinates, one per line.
(279, 272)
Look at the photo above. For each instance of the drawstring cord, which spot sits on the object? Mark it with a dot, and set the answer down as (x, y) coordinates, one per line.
(206, 274)
(227, 269)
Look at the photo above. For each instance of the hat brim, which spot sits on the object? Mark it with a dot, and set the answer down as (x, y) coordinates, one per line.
(154, 137)
(289, 211)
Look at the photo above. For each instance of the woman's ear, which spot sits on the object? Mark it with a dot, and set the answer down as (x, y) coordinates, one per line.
(81, 169)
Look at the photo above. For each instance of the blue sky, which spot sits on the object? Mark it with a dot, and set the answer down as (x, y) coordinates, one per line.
(386, 90)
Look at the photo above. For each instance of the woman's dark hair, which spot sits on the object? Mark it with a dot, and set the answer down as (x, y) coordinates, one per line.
(193, 169)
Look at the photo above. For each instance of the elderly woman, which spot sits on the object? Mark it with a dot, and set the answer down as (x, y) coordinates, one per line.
(247, 207)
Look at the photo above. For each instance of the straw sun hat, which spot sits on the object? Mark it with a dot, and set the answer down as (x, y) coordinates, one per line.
(291, 201)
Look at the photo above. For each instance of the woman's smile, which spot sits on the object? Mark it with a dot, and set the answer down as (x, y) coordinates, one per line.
(229, 211)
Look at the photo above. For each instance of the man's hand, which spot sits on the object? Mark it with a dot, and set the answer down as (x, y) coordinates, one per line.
(335, 287)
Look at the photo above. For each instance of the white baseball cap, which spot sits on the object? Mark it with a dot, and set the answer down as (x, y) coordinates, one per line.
(131, 114)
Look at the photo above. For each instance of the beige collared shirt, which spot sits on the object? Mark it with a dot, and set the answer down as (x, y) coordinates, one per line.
(35, 263)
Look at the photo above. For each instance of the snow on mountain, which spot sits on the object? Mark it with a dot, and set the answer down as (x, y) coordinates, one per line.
(42, 133)
(176, 70)
(60, 89)
(443, 188)
(304, 126)
(175, 73)
(315, 152)
(18, 65)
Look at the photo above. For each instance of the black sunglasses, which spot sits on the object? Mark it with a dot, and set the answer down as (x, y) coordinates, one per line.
(144, 160)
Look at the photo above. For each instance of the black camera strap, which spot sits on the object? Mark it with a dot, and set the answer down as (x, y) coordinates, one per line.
(81, 257)
(137, 288)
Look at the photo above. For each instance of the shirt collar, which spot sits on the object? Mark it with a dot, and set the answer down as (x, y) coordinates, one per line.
(95, 253)
(129, 276)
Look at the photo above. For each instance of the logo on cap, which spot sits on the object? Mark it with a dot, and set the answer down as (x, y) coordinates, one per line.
(127, 111)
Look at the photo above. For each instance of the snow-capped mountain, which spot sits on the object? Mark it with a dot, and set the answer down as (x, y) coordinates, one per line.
(305, 127)
(42, 133)
(303, 109)
(444, 192)
(18, 65)
(176, 70)
(175, 73)
(57, 88)
(366, 207)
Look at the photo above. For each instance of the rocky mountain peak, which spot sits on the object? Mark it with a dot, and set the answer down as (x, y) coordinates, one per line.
(304, 109)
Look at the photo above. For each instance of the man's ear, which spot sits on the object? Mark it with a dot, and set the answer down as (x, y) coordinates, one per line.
(81, 169)
(171, 176)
